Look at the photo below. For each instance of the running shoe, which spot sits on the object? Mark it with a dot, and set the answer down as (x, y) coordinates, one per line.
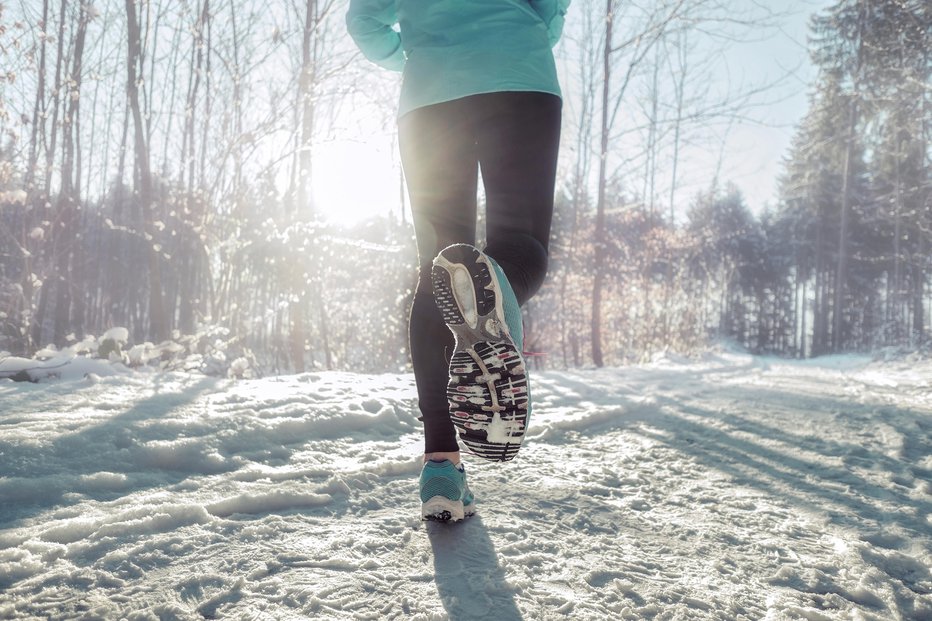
(445, 496)
(488, 385)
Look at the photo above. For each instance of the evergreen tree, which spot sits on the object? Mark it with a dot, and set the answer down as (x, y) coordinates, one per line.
(851, 193)
(729, 257)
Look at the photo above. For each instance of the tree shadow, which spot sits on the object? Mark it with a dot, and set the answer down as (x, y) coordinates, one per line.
(470, 582)
(824, 473)
(37, 480)
(763, 455)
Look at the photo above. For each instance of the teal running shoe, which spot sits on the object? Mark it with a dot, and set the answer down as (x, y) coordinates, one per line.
(488, 390)
(445, 496)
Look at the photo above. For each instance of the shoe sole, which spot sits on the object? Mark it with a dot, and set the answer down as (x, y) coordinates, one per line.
(442, 509)
(488, 388)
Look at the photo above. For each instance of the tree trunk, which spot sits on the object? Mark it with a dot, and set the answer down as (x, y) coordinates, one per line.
(37, 134)
(306, 106)
(919, 278)
(69, 194)
(302, 181)
(38, 113)
(679, 84)
(819, 307)
(158, 322)
(922, 262)
(599, 233)
(56, 102)
(650, 161)
(841, 272)
(206, 25)
(803, 329)
(52, 281)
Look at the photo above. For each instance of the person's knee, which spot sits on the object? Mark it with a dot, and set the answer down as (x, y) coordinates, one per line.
(537, 271)
(524, 260)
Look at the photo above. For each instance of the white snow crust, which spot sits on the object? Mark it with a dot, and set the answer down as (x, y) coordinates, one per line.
(730, 487)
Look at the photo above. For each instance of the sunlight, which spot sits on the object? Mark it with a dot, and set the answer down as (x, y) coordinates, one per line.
(356, 179)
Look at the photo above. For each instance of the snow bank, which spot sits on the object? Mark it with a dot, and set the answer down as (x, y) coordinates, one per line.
(209, 351)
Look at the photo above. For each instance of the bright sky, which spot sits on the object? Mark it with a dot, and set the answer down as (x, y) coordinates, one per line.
(755, 151)
(357, 171)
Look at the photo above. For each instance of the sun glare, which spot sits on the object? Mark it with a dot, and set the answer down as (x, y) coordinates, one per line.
(355, 179)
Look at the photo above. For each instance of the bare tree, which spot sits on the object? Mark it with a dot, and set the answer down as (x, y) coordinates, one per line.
(69, 195)
(38, 113)
(158, 320)
(587, 49)
(638, 55)
(633, 50)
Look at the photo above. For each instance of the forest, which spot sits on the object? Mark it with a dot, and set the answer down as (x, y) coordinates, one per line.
(157, 171)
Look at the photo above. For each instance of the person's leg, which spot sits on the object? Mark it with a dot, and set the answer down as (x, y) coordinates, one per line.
(518, 147)
(479, 293)
(441, 170)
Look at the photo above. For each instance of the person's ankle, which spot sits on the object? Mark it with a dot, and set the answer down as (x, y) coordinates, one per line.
(453, 456)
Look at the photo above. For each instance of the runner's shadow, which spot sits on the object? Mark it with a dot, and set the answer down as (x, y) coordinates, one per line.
(470, 582)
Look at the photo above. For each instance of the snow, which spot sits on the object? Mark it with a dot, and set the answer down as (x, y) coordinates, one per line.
(120, 335)
(730, 487)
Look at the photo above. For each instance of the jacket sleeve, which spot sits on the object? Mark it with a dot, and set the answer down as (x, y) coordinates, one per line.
(370, 24)
(553, 13)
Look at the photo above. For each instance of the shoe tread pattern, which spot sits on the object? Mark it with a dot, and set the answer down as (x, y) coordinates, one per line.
(472, 401)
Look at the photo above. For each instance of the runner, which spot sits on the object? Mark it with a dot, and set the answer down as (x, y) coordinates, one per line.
(479, 93)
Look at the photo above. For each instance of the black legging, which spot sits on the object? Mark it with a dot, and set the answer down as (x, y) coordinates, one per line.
(514, 138)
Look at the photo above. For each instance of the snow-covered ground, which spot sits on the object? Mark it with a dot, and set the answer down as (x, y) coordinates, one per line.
(732, 487)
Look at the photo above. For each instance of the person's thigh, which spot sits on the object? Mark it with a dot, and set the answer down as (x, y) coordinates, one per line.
(438, 153)
(518, 148)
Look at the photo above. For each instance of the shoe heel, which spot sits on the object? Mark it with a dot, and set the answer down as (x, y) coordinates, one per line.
(462, 284)
(441, 509)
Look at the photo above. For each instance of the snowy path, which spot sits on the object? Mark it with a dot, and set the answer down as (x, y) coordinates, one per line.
(731, 488)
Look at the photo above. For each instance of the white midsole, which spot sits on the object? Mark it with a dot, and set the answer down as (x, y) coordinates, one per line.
(438, 505)
(464, 294)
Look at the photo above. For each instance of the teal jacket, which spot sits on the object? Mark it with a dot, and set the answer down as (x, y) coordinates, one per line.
(450, 49)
